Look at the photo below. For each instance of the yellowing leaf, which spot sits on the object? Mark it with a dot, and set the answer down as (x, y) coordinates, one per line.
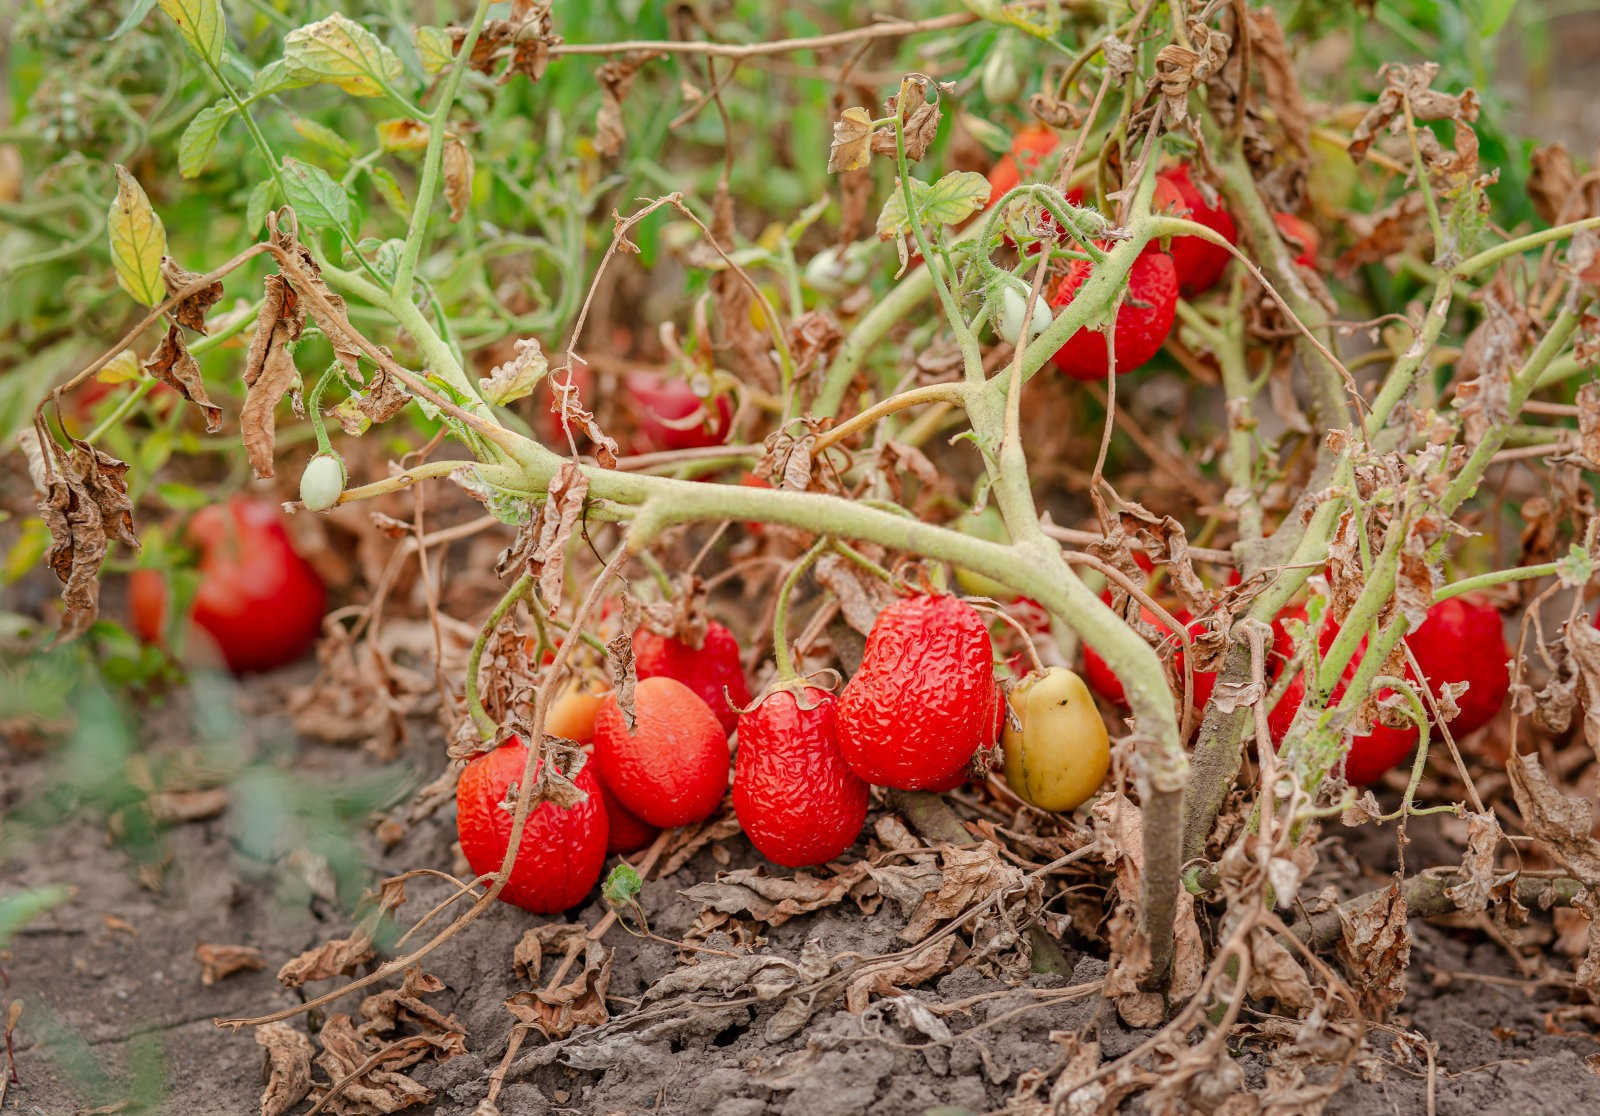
(852, 141)
(121, 368)
(199, 139)
(435, 48)
(201, 24)
(402, 134)
(949, 201)
(341, 52)
(323, 136)
(138, 240)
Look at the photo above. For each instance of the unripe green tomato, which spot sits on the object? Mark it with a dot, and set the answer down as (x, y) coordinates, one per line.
(322, 481)
(1060, 755)
(990, 526)
(1002, 77)
(1013, 305)
(834, 272)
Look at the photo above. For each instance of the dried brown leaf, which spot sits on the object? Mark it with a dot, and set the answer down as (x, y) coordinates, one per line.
(969, 876)
(580, 1002)
(269, 370)
(887, 979)
(851, 149)
(345, 1050)
(457, 177)
(342, 955)
(1552, 182)
(1275, 974)
(190, 312)
(1375, 948)
(1270, 54)
(1471, 895)
(172, 364)
(861, 596)
(615, 78)
(288, 1067)
(774, 900)
(540, 547)
(1563, 823)
(218, 961)
(83, 500)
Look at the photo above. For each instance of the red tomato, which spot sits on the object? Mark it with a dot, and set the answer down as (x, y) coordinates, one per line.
(670, 416)
(1028, 151)
(259, 603)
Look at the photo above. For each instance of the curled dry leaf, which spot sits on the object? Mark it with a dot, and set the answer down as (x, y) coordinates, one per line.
(269, 370)
(218, 961)
(851, 149)
(1276, 975)
(580, 1002)
(861, 596)
(393, 1008)
(920, 120)
(379, 1089)
(1583, 649)
(931, 960)
(83, 500)
(288, 1067)
(774, 900)
(1270, 54)
(1375, 948)
(1377, 236)
(458, 169)
(540, 547)
(529, 33)
(517, 377)
(190, 312)
(556, 938)
(173, 365)
(969, 877)
(1471, 895)
(1563, 823)
(615, 78)
(1589, 422)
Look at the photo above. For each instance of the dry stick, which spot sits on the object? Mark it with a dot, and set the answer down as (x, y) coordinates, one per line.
(519, 820)
(1426, 895)
(886, 30)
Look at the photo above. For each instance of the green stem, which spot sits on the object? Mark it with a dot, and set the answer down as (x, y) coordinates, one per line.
(780, 613)
(428, 183)
(1489, 257)
(1496, 577)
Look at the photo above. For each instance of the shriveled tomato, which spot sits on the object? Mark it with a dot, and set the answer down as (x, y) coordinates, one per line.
(259, 603)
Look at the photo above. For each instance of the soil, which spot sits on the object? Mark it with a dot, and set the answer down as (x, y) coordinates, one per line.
(114, 1005)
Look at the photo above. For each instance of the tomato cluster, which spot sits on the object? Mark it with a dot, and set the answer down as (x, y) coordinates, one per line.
(1189, 266)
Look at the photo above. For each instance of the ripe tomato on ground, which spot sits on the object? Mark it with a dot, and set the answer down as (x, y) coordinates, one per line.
(562, 849)
(259, 603)
(1143, 321)
(796, 798)
(672, 768)
(924, 698)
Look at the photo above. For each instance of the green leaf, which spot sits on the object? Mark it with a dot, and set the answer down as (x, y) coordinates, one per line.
(200, 22)
(341, 52)
(18, 910)
(949, 201)
(622, 886)
(272, 78)
(255, 208)
(138, 240)
(386, 259)
(435, 47)
(27, 552)
(1492, 16)
(323, 136)
(135, 16)
(200, 138)
(317, 198)
(389, 190)
(183, 497)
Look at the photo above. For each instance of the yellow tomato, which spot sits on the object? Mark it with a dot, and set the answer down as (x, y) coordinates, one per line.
(572, 714)
(1060, 755)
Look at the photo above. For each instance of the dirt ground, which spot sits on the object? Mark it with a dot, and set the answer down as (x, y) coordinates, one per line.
(114, 1004)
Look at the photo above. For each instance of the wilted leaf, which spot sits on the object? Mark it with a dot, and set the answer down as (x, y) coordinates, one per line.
(1552, 182)
(218, 961)
(172, 365)
(269, 370)
(1563, 823)
(200, 138)
(774, 900)
(138, 240)
(341, 52)
(190, 312)
(345, 1050)
(949, 201)
(517, 377)
(342, 955)
(1275, 974)
(887, 979)
(852, 141)
(84, 502)
(969, 877)
(288, 1067)
(457, 177)
(580, 1002)
(402, 134)
(1270, 53)
(540, 545)
(1471, 895)
(615, 78)
(200, 22)
(1375, 948)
